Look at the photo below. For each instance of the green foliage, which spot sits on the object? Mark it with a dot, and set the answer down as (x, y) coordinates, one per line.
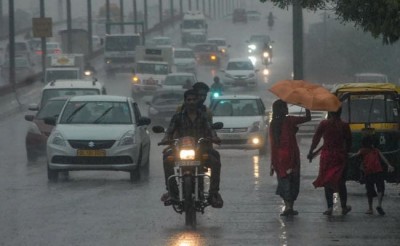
(379, 17)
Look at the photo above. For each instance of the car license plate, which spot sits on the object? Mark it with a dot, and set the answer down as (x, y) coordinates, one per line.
(91, 152)
(187, 163)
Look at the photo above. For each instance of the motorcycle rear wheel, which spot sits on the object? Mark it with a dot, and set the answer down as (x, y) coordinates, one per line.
(189, 203)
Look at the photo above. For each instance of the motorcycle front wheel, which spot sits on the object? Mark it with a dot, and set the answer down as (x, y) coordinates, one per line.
(189, 203)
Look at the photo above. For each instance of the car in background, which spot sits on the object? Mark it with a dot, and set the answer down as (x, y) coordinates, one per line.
(99, 132)
(259, 48)
(221, 43)
(38, 131)
(23, 69)
(240, 72)
(163, 105)
(371, 78)
(184, 60)
(245, 122)
(253, 15)
(239, 15)
(194, 38)
(179, 81)
(51, 48)
(207, 54)
(307, 129)
(22, 49)
(161, 42)
(68, 88)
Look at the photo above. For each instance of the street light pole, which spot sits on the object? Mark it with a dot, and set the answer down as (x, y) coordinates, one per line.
(90, 31)
(297, 12)
(135, 14)
(11, 43)
(108, 16)
(121, 15)
(69, 27)
(43, 42)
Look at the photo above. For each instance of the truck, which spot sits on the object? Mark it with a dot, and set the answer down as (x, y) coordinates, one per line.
(64, 66)
(120, 52)
(79, 41)
(193, 21)
(152, 66)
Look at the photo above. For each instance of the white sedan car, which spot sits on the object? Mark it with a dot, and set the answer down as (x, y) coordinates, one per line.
(240, 72)
(245, 122)
(98, 132)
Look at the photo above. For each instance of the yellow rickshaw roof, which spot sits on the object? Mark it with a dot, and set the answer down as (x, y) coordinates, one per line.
(360, 87)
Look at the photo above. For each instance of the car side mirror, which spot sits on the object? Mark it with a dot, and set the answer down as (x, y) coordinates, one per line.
(29, 117)
(144, 121)
(50, 121)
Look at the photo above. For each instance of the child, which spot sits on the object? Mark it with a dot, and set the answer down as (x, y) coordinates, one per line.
(374, 173)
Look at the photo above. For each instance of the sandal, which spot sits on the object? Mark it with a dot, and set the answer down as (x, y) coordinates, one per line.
(328, 212)
(369, 211)
(286, 212)
(380, 210)
(346, 210)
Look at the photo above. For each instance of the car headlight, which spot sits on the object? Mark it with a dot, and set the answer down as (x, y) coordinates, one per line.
(187, 154)
(34, 129)
(251, 75)
(88, 73)
(255, 140)
(223, 50)
(213, 57)
(127, 139)
(265, 54)
(255, 127)
(58, 139)
(153, 110)
(135, 80)
(108, 61)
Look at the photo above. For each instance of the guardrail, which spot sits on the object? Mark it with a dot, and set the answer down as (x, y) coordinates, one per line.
(6, 89)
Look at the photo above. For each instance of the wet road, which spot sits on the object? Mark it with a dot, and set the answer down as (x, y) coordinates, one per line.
(103, 208)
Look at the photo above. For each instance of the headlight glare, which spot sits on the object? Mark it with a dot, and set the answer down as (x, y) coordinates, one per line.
(187, 154)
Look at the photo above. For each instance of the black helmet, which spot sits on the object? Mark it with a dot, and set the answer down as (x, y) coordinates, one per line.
(216, 79)
(201, 86)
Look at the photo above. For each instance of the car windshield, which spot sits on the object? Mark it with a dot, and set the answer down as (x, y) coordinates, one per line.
(168, 97)
(96, 112)
(150, 68)
(370, 109)
(66, 92)
(236, 107)
(52, 75)
(183, 54)
(239, 66)
(217, 42)
(193, 24)
(51, 109)
(178, 80)
(206, 48)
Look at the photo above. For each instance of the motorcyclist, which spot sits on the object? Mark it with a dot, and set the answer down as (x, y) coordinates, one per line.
(270, 20)
(89, 68)
(216, 88)
(191, 120)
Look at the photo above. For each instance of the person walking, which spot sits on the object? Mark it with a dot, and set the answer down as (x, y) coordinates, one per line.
(374, 172)
(285, 154)
(336, 136)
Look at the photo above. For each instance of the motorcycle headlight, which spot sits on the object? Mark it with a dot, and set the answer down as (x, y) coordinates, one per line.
(265, 54)
(127, 139)
(187, 154)
(58, 139)
(213, 57)
(255, 127)
(108, 61)
(215, 94)
(135, 80)
(88, 73)
(252, 47)
(223, 50)
(266, 71)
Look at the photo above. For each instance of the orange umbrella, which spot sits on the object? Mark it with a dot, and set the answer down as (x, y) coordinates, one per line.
(306, 94)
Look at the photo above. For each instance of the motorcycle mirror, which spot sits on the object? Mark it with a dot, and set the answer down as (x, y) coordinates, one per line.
(217, 125)
(158, 129)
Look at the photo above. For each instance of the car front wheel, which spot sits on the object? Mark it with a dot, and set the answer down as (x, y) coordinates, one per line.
(52, 175)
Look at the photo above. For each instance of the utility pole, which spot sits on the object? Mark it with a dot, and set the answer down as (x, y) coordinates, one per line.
(160, 12)
(108, 16)
(11, 43)
(89, 23)
(1, 18)
(181, 7)
(297, 12)
(190, 5)
(60, 10)
(197, 5)
(121, 15)
(204, 6)
(69, 27)
(145, 15)
(171, 6)
(209, 8)
(43, 42)
(135, 14)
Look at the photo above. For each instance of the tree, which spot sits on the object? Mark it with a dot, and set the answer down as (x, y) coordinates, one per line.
(379, 17)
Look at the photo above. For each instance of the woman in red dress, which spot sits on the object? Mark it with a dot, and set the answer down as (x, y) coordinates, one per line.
(285, 155)
(337, 143)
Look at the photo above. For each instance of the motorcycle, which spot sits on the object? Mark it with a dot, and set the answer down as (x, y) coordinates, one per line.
(189, 175)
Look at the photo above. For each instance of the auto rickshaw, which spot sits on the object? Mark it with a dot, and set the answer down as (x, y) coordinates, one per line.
(373, 109)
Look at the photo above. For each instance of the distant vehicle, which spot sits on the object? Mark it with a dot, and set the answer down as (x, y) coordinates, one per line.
(38, 131)
(179, 80)
(192, 21)
(240, 72)
(120, 52)
(22, 48)
(23, 69)
(184, 60)
(98, 133)
(239, 15)
(68, 88)
(371, 78)
(260, 48)
(160, 42)
(208, 54)
(163, 105)
(51, 48)
(307, 130)
(64, 66)
(221, 43)
(245, 122)
(253, 15)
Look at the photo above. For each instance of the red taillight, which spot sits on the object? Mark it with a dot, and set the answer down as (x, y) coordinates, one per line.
(57, 51)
